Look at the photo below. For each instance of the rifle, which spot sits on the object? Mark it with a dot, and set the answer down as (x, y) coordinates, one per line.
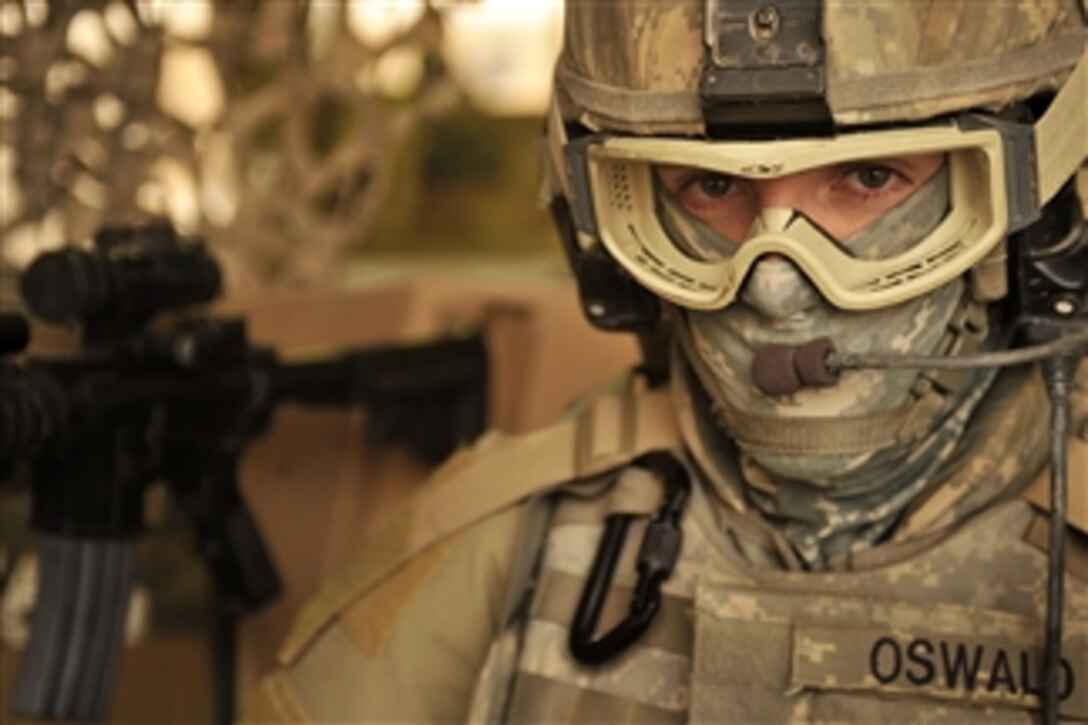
(176, 403)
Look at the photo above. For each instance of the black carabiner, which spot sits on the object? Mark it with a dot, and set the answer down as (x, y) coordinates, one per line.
(657, 557)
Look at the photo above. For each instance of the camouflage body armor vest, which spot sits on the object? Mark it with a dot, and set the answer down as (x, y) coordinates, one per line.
(950, 634)
(942, 624)
(944, 627)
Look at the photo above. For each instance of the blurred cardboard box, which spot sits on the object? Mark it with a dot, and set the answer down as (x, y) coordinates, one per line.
(314, 484)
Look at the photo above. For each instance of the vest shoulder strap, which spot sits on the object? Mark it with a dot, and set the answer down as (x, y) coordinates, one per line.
(499, 471)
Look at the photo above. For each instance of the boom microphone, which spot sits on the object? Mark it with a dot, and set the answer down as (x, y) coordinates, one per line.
(784, 369)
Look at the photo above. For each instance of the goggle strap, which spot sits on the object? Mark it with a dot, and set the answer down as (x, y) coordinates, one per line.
(578, 178)
(1061, 135)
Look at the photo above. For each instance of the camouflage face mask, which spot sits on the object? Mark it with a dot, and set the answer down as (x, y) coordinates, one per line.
(778, 305)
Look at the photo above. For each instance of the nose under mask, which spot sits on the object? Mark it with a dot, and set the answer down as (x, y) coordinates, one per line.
(779, 290)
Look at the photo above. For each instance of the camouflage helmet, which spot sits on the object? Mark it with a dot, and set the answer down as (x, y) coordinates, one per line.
(870, 62)
(720, 69)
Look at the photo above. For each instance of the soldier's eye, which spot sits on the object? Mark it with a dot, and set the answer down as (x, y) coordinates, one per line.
(873, 177)
(713, 184)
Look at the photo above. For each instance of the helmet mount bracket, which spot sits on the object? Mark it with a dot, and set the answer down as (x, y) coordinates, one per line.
(764, 67)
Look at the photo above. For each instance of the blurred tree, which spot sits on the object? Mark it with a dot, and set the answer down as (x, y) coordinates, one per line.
(467, 181)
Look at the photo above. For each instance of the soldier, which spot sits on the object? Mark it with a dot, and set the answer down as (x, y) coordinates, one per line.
(765, 528)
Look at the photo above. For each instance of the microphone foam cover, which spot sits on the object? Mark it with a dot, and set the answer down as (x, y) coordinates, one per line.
(784, 369)
(773, 372)
(810, 362)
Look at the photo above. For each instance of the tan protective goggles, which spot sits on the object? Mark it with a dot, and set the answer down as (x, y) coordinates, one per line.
(619, 174)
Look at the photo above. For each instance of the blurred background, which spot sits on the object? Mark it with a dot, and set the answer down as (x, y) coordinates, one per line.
(365, 172)
(300, 139)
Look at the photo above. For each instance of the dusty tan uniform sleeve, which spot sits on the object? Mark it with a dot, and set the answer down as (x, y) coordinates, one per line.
(409, 650)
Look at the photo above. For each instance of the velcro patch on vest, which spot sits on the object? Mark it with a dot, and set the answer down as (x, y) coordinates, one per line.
(807, 654)
(948, 665)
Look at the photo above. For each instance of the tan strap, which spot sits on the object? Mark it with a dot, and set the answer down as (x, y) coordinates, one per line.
(1061, 136)
(808, 436)
(498, 472)
(274, 701)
